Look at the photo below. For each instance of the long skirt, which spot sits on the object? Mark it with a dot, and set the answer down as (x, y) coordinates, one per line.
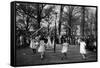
(83, 51)
(64, 50)
(41, 49)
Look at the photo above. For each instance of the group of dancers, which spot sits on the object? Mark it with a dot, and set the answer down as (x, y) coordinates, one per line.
(38, 45)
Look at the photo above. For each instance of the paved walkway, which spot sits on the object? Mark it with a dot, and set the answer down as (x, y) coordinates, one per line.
(26, 57)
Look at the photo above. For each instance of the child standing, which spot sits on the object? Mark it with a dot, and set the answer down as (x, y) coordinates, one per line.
(64, 49)
(82, 49)
(41, 49)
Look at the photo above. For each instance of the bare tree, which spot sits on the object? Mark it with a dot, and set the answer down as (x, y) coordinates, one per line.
(71, 15)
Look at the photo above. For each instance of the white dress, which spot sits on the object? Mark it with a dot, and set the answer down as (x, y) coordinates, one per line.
(94, 43)
(33, 45)
(53, 44)
(82, 48)
(21, 40)
(42, 46)
(49, 42)
(64, 48)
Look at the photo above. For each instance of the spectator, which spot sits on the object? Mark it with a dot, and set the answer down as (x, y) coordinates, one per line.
(33, 45)
(21, 40)
(95, 45)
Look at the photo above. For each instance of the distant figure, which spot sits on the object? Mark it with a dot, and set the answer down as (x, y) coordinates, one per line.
(64, 49)
(78, 41)
(82, 49)
(49, 42)
(41, 49)
(52, 44)
(21, 40)
(95, 45)
(33, 45)
(28, 41)
(37, 41)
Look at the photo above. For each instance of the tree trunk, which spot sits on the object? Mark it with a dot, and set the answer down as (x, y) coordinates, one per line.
(38, 15)
(60, 20)
(83, 21)
(69, 21)
(27, 23)
(48, 28)
(69, 33)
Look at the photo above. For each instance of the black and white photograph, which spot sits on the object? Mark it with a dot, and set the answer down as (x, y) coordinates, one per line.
(50, 33)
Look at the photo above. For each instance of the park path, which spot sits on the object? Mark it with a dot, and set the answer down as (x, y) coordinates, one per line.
(26, 57)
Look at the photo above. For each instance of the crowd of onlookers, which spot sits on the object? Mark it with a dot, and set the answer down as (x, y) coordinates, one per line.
(23, 41)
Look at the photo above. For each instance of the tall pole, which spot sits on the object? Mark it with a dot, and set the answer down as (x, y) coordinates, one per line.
(55, 34)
